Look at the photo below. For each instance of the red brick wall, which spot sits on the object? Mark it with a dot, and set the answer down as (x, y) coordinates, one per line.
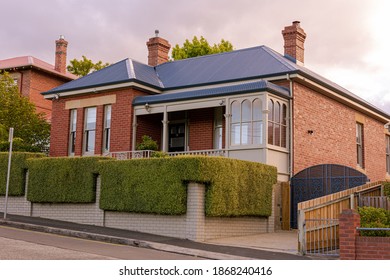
(355, 247)
(334, 137)
(121, 123)
(33, 82)
(59, 129)
(150, 125)
(201, 126)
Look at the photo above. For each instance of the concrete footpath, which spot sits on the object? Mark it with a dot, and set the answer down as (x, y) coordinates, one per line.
(280, 245)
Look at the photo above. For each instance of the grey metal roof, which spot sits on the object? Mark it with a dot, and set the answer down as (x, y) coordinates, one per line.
(240, 65)
(229, 66)
(126, 70)
(213, 92)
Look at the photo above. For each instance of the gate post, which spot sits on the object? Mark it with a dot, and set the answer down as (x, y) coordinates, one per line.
(301, 232)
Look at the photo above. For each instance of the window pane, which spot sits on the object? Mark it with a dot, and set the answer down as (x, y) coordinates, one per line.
(235, 134)
(91, 118)
(284, 136)
(270, 133)
(246, 133)
(277, 135)
(246, 111)
(277, 112)
(270, 110)
(73, 120)
(284, 114)
(235, 110)
(257, 133)
(90, 141)
(256, 105)
(107, 116)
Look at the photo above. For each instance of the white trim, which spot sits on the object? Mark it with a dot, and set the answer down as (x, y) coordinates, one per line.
(192, 104)
(100, 89)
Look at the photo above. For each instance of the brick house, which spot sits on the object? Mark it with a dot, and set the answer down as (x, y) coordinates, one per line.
(253, 104)
(34, 76)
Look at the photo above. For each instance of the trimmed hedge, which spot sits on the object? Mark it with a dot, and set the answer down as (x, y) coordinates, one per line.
(63, 180)
(158, 186)
(17, 175)
(387, 189)
(371, 217)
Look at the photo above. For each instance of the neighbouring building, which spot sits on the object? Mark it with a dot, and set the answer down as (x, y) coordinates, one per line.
(252, 104)
(34, 76)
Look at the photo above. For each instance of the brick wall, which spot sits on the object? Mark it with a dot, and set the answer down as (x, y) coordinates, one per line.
(201, 126)
(334, 134)
(355, 247)
(150, 125)
(121, 122)
(32, 82)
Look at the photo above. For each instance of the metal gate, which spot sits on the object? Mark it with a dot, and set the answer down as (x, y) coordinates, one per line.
(320, 180)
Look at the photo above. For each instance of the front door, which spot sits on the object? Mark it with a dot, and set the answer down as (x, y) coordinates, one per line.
(177, 136)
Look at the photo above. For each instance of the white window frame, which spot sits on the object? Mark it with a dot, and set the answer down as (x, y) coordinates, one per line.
(274, 121)
(218, 128)
(72, 132)
(360, 145)
(107, 128)
(89, 131)
(240, 138)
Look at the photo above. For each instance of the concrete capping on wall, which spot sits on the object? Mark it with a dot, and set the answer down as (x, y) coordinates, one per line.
(194, 225)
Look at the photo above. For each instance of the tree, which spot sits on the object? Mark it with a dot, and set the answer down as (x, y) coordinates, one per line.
(31, 130)
(85, 66)
(199, 47)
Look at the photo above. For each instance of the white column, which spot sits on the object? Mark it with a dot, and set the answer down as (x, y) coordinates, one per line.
(134, 135)
(165, 131)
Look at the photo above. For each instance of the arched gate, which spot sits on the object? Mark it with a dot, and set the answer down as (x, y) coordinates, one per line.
(320, 180)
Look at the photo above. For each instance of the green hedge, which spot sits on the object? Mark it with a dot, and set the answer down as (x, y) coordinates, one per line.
(63, 180)
(234, 187)
(371, 217)
(17, 175)
(386, 186)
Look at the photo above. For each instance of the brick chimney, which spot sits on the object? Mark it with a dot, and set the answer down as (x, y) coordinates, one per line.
(60, 60)
(158, 50)
(294, 40)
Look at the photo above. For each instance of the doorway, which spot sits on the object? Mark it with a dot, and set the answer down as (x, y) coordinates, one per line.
(177, 136)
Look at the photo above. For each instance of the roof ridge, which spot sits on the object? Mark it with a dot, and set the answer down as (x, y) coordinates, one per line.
(130, 68)
(213, 54)
(280, 58)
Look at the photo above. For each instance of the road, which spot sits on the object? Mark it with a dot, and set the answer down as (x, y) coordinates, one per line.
(19, 244)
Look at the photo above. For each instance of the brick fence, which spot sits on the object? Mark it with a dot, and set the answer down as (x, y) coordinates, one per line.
(355, 247)
(194, 225)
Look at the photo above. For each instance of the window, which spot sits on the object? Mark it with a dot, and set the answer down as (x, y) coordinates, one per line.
(246, 122)
(106, 128)
(218, 119)
(72, 131)
(90, 130)
(360, 145)
(388, 154)
(277, 124)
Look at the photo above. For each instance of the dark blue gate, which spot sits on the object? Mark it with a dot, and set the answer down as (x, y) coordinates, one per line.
(320, 180)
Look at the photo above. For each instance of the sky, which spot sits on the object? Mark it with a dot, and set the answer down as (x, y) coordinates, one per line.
(347, 40)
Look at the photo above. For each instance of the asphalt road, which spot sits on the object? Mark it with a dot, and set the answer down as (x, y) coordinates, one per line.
(19, 244)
